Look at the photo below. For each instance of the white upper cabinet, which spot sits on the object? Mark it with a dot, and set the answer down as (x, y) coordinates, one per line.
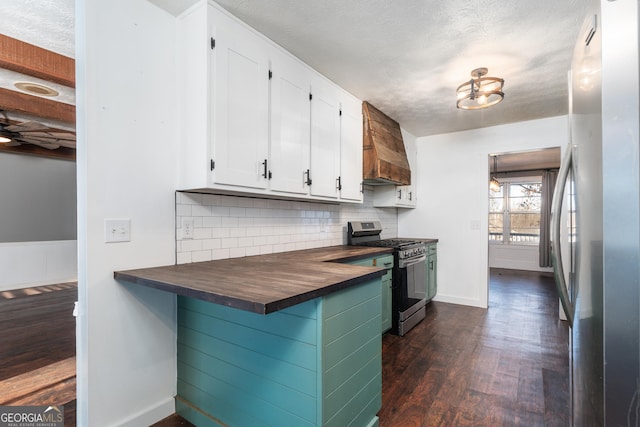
(400, 196)
(325, 139)
(290, 126)
(240, 80)
(351, 149)
(255, 119)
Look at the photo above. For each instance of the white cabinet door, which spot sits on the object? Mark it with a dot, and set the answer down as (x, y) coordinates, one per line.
(407, 195)
(290, 127)
(401, 196)
(351, 150)
(240, 101)
(325, 139)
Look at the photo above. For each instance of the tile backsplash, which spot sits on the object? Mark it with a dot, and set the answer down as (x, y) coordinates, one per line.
(234, 226)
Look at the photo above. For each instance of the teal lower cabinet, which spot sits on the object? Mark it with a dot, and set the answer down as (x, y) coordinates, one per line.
(317, 363)
(432, 270)
(385, 261)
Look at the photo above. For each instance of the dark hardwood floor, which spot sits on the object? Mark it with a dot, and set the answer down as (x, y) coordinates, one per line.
(38, 347)
(461, 366)
(464, 366)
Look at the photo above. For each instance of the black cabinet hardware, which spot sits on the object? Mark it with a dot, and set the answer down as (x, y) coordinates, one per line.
(267, 173)
(308, 174)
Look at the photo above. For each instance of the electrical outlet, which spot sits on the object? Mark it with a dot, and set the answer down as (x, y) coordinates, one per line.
(117, 230)
(187, 228)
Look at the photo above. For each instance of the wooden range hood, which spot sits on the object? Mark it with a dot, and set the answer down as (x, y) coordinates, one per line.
(384, 157)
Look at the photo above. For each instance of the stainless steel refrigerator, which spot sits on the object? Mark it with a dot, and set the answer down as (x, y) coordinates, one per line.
(596, 219)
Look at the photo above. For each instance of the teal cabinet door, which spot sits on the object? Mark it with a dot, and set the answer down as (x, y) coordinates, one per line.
(432, 271)
(385, 261)
(386, 301)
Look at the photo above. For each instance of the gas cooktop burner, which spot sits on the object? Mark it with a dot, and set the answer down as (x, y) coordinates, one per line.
(391, 243)
(399, 242)
(368, 234)
(404, 248)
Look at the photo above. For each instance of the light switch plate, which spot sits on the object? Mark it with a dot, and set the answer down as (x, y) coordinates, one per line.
(117, 230)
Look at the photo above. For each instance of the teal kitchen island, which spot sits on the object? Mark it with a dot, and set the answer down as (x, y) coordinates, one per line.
(290, 339)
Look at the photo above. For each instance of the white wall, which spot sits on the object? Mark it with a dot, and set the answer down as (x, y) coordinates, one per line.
(27, 264)
(517, 257)
(38, 199)
(452, 177)
(37, 221)
(125, 72)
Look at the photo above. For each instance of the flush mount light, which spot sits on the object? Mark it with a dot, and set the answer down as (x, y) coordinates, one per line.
(36, 89)
(479, 91)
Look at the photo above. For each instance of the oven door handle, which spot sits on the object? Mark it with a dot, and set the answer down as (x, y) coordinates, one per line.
(408, 263)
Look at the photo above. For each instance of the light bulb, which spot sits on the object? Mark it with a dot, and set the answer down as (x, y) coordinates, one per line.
(482, 99)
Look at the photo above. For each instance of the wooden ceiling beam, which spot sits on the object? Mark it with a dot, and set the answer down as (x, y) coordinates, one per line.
(37, 106)
(25, 58)
(61, 153)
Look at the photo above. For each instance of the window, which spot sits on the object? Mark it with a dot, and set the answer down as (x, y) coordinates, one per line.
(514, 211)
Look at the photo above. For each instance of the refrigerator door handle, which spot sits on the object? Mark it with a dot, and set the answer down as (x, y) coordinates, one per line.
(556, 254)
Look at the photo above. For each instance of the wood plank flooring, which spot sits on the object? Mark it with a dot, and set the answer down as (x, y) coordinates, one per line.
(38, 346)
(465, 366)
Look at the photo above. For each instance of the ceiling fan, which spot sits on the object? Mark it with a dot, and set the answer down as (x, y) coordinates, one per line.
(13, 134)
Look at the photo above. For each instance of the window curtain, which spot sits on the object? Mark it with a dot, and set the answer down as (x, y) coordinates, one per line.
(548, 184)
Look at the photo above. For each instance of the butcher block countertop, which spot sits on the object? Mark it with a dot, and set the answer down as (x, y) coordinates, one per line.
(265, 283)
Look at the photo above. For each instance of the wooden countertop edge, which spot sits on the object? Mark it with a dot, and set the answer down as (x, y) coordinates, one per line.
(137, 276)
(244, 304)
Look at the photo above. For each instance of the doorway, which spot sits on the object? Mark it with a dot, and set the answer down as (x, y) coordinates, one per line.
(519, 195)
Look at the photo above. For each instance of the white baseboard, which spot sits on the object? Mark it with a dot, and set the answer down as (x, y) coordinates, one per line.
(151, 415)
(460, 301)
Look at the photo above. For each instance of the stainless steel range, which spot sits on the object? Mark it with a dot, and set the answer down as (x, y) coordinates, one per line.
(409, 272)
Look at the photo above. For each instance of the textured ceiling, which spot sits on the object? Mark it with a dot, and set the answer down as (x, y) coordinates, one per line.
(407, 57)
(48, 24)
(45, 23)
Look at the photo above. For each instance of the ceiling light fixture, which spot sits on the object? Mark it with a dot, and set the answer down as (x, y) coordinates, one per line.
(36, 88)
(5, 136)
(479, 91)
